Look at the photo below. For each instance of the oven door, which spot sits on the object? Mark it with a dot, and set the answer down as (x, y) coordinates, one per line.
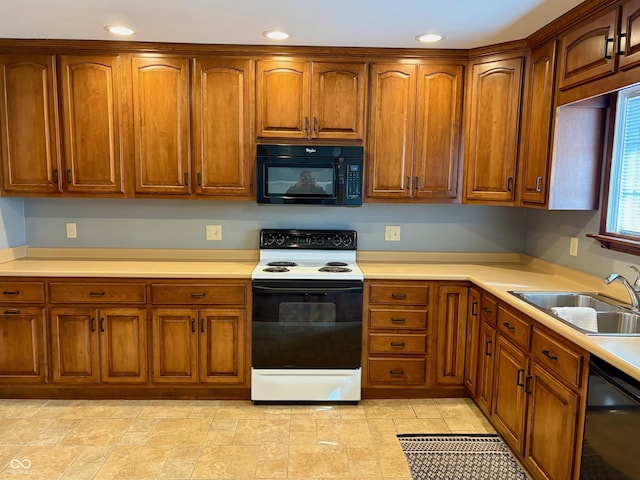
(307, 324)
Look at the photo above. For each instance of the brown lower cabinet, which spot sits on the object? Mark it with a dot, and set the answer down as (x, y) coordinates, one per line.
(531, 384)
(198, 345)
(22, 345)
(91, 345)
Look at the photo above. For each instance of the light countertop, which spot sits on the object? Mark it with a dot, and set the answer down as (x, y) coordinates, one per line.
(496, 273)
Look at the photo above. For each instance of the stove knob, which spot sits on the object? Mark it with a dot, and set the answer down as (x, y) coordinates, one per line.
(268, 239)
(279, 239)
(347, 241)
(317, 240)
(337, 240)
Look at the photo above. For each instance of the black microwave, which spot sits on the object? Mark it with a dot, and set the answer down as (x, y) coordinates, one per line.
(320, 175)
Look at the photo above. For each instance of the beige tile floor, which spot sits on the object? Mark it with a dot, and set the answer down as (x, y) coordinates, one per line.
(170, 440)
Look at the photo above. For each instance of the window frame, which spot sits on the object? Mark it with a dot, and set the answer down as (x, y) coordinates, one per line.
(612, 240)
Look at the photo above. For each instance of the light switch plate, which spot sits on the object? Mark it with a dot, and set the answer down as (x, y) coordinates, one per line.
(391, 233)
(213, 232)
(573, 247)
(70, 229)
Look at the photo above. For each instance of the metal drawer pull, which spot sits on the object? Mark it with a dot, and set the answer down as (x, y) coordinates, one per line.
(398, 320)
(487, 310)
(527, 384)
(538, 181)
(509, 184)
(486, 348)
(92, 324)
(508, 326)
(198, 294)
(102, 325)
(14, 293)
(608, 55)
(202, 325)
(96, 294)
(519, 381)
(396, 372)
(193, 325)
(398, 344)
(12, 312)
(474, 309)
(399, 296)
(548, 354)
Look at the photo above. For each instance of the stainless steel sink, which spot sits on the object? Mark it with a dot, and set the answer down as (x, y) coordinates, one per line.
(613, 316)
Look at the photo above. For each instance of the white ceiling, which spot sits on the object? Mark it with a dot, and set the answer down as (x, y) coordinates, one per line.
(356, 23)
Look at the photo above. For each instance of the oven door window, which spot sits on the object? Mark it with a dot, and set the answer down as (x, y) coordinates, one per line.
(298, 329)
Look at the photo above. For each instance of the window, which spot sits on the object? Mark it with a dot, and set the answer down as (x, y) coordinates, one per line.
(620, 224)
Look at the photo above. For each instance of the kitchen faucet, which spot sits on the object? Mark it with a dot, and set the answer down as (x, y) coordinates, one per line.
(634, 290)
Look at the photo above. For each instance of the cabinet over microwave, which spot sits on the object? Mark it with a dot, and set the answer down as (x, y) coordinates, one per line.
(299, 174)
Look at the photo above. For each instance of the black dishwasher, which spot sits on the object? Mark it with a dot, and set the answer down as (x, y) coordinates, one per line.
(611, 446)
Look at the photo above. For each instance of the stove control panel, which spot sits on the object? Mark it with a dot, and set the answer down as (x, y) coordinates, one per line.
(308, 239)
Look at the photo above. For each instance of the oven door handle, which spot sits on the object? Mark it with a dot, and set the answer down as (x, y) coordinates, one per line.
(305, 290)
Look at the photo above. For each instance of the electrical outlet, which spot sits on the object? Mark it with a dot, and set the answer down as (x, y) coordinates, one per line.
(71, 231)
(573, 247)
(391, 233)
(213, 232)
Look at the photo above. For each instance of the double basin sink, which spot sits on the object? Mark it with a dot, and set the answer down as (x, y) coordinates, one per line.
(611, 317)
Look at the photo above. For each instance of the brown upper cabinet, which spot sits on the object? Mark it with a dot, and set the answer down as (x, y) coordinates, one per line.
(600, 46)
(414, 131)
(223, 135)
(310, 100)
(91, 121)
(492, 123)
(161, 124)
(29, 123)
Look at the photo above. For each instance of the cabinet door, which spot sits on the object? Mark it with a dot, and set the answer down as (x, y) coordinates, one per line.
(536, 138)
(282, 98)
(161, 124)
(630, 34)
(450, 336)
(438, 124)
(472, 342)
(588, 52)
(552, 422)
(74, 345)
(29, 123)
(486, 356)
(337, 100)
(222, 345)
(492, 130)
(92, 119)
(391, 130)
(21, 345)
(123, 345)
(223, 152)
(510, 400)
(175, 345)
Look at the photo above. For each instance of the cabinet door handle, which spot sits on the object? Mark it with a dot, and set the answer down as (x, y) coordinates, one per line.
(12, 293)
(202, 325)
(54, 175)
(527, 384)
(198, 294)
(408, 183)
(193, 325)
(539, 183)
(315, 124)
(396, 372)
(96, 294)
(398, 344)
(519, 381)
(186, 179)
(549, 355)
(486, 348)
(509, 184)
(101, 325)
(398, 296)
(68, 175)
(622, 48)
(199, 179)
(306, 125)
(398, 320)
(12, 312)
(417, 182)
(474, 309)
(92, 324)
(508, 326)
(607, 55)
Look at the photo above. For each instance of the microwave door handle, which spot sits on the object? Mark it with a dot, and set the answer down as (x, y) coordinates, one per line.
(306, 290)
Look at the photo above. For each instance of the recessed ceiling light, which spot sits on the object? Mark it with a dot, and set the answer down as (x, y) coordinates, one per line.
(119, 30)
(276, 35)
(429, 37)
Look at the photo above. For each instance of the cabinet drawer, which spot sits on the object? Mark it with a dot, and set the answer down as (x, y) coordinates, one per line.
(558, 358)
(392, 343)
(401, 371)
(489, 310)
(399, 294)
(195, 294)
(400, 319)
(517, 329)
(22, 292)
(71, 292)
